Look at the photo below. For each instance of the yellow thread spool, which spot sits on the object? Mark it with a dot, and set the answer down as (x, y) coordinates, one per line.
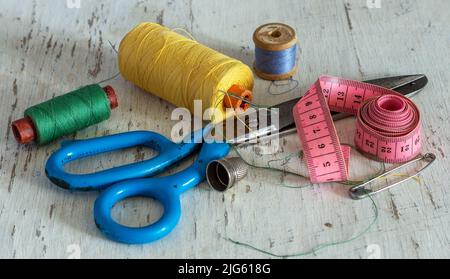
(180, 70)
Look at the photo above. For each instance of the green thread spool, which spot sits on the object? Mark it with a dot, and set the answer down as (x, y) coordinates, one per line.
(65, 114)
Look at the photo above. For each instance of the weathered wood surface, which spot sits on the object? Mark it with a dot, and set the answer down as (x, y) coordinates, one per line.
(47, 48)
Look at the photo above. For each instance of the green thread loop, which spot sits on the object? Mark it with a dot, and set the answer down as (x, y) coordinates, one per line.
(285, 160)
(69, 113)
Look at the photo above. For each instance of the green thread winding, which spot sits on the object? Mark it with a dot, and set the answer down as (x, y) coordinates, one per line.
(69, 113)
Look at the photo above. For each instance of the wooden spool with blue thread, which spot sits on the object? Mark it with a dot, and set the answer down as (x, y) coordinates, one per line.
(275, 51)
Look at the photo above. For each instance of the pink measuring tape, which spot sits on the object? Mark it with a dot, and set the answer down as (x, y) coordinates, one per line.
(388, 126)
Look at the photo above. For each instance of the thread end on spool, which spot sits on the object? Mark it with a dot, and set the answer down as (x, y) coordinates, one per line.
(243, 95)
(111, 94)
(23, 130)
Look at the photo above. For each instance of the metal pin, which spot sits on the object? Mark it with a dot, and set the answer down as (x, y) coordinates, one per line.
(223, 174)
(361, 192)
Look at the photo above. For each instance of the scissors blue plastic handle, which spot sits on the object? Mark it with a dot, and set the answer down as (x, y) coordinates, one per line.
(128, 181)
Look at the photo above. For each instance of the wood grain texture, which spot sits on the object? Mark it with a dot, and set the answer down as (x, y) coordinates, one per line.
(47, 49)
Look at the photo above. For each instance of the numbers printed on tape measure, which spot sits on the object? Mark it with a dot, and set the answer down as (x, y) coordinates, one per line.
(395, 150)
(417, 140)
(325, 163)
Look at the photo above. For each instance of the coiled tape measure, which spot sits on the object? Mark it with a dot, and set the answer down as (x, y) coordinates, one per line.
(388, 126)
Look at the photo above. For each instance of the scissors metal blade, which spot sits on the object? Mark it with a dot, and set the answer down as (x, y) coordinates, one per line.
(408, 85)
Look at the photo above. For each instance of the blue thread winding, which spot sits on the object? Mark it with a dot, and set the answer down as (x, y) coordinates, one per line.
(275, 62)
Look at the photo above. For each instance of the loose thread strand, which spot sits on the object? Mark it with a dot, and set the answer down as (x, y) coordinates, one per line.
(277, 85)
(109, 79)
(318, 247)
(284, 171)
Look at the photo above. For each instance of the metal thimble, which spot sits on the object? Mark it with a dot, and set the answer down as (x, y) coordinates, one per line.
(223, 174)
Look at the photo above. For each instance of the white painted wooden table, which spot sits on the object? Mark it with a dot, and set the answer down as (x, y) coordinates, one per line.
(47, 48)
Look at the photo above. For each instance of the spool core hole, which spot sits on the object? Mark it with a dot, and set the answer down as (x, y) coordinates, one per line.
(23, 130)
(275, 33)
(16, 132)
(238, 98)
(247, 98)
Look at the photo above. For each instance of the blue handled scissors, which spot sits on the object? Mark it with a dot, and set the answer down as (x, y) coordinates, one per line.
(136, 179)
(125, 179)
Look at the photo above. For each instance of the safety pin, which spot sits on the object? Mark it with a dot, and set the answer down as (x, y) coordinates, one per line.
(361, 192)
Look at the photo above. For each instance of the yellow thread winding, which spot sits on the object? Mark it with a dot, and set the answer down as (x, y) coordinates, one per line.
(180, 70)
